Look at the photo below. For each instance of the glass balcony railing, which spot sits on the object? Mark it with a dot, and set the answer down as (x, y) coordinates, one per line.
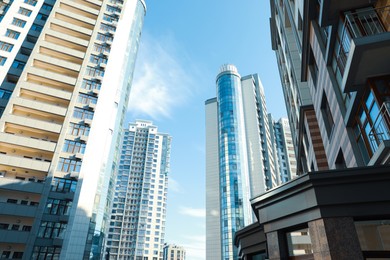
(361, 23)
(380, 129)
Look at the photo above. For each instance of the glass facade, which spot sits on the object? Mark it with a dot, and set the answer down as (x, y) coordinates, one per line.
(232, 172)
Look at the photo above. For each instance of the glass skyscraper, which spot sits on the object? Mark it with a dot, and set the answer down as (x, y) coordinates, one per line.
(241, 159)
(137, 223)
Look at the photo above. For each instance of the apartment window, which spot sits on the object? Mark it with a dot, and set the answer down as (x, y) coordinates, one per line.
(372, 120)
(74, 147)
(97, 59)
(17, 255)
(69, 165)
(340, 162)
(46, 252)
(36, 27)
(5, 254)
(26, 228)
(18, 22)
(24, 11)
(90, 85)
(4, 226)
(94, 72)
(42, 17)
(49, 229)
(105, 27)
(313, 68)
(82, 113)
(63, 185)
(12, 34)
(30, 2)
(327, 115)
(100, 48)
(18, 64)
(77, 129)
(102, 37)
(2, 60)
(5, 46)
(47, 7)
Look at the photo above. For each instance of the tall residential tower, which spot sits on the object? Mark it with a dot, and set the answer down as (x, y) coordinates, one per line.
(65, 72)
(241, 159)
(137, 223)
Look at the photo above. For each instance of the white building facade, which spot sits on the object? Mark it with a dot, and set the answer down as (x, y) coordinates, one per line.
(67, 80)
(137, 223)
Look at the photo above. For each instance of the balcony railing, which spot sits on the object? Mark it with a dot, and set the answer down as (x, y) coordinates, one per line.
(380, 129)
(362, 23)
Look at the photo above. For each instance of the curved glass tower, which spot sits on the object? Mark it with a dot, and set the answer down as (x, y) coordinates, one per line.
(234, 203)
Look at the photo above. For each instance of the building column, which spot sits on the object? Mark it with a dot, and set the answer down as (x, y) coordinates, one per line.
(334, 238)
(275, 245)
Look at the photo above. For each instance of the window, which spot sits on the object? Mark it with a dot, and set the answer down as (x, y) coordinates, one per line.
(18, 22)
(86, 99)
(26, 228)
(82, 113)
(97, 59)
(30, 2)
(18, 64)
(49, 229)
(90, 85)
(63, 185)
(2, 60)
(36, 27)
(42, 17)
(12, 34)
(4, 226)
(17, 255)
(47, 7)
(5, 254)
(46, 252)
(90, 71)
(24, 11)
(77, 129)
(74, 147)
(5, 46)
(340, 162)
(12, 201)
(327, 115)
(69, 165)
(313, 68)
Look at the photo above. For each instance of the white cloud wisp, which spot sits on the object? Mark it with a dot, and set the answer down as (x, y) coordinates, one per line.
(161, 83)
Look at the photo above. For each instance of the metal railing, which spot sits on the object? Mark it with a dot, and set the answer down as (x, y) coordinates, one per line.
(362, 23)
(380, 130)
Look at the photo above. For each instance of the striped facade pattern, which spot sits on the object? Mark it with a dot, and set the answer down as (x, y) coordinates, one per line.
(326, 83)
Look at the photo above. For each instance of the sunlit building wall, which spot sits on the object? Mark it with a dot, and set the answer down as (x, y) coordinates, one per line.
(174, 252)
(137, 222)
(65, 72)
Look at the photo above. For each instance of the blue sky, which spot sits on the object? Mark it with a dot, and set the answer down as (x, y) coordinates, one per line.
(183, 45)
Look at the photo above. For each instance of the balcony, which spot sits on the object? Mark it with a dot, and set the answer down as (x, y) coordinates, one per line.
(379, 136)
(362, 47)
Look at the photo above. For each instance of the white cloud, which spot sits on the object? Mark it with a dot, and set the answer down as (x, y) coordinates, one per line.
(161, 83)
(193, 212)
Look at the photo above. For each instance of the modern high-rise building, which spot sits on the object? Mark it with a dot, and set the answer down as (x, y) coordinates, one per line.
(334, 66)
(240, 158)
(174, 252)
(334, 62)
(65, 72)
(285, 149)
(137, 222)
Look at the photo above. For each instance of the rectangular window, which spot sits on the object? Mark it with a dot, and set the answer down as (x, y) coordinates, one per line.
(82, 113)
(86, 99)
(47, 7)
(12, 34)
(18, 22)
(69, 165)
(2, 60)
(24, 11)
(77, 129)
(46, 252)
(63, 185)
(57, 207)
(18, 64)
(50, 229)
(327, 115)
(36, 27)
(74, 147)
(30, 2)
(5, 46)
